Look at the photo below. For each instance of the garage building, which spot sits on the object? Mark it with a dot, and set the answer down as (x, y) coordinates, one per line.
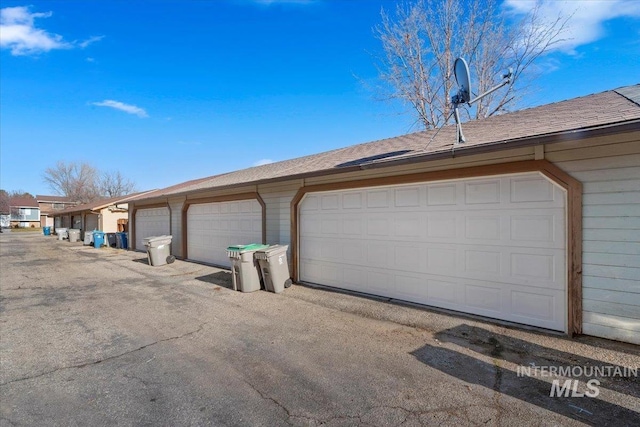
(534, 220)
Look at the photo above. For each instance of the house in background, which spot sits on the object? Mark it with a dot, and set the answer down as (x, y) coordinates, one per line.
(535, 220)
(24, 212)
(108, 215)
(49, 205)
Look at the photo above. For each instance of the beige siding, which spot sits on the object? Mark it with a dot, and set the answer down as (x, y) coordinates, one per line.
(108, 221)
(175, 206)
(277, 199)
(610, 173)
(222, 192)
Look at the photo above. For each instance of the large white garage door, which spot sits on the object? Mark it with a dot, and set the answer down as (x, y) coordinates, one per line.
(151, 222)
(493, 246)
(212, 227)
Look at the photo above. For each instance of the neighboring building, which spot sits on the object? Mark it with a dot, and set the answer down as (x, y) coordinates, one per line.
(24, 212)
(108, 215)
(49, 205)
(534, 220)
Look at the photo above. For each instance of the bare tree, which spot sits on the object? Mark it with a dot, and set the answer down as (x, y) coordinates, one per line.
(113, 184)
(21, 193)
(5, 204)
(74, 180)
(422, 39)
(84, 183)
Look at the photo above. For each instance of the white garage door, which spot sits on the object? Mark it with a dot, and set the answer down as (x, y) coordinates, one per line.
(212, 227)
(151, 222)
(493, 246)
(91, 222)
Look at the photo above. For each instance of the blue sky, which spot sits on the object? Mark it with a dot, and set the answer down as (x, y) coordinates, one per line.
(168, 91)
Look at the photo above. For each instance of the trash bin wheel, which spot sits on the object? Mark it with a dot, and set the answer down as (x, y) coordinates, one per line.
(170, 259)
(287, 283)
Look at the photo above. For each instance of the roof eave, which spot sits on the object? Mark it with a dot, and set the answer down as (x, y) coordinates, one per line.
(458, 151)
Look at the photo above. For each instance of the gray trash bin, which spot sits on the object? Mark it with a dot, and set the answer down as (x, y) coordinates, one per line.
(62, 233)
(88, 237)
(244, 271)
(159, 250)
(74, 234)
(274, 267)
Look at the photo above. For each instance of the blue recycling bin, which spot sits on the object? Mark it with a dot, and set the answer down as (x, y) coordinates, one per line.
(125, 241)
(46, 230)
(98, 239)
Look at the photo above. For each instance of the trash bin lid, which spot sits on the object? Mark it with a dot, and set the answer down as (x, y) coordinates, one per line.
(152, 239)
(246, 248)
(273, 250)
(155, 241)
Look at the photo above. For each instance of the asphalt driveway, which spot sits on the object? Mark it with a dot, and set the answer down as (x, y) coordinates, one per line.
(98, 337)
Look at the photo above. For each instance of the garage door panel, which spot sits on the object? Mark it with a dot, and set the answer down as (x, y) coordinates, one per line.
(91, 222)
(351, 201)
(151, 222)
(478, 245)
(212, 227)
(524, 304)
(531, 267)
(534, 306)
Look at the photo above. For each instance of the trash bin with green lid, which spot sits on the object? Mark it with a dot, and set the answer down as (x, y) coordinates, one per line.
(74, 234)
(274, 267)
(244, 271)
(159, 250)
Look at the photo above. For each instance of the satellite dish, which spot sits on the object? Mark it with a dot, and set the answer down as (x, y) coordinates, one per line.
(461, 71)
(463, 79)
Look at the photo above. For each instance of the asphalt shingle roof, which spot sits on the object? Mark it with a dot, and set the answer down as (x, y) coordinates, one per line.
(23, 202)
(98, 204)
(497, 132)
(54, 199)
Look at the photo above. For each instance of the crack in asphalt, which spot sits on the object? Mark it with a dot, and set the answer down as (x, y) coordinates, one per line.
(107, 359)
(358, 418)
(265, 397)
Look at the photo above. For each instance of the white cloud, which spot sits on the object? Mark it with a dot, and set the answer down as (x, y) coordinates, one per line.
(83, 44)
(263, 162)
(127, 108)
(586, 24)
(19, 33)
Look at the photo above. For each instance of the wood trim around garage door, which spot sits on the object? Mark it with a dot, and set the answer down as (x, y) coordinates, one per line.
(132, 232)
(572, 186)
(228, 198)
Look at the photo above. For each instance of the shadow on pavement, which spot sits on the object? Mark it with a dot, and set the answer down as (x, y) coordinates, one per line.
(523, 353)
(221, 278)
(535, 388)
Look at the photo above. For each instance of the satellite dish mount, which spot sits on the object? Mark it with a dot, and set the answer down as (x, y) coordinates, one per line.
(461, 71)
